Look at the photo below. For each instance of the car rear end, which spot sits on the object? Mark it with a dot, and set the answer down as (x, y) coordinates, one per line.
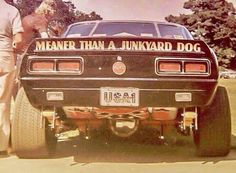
(105, 76)
(129, 82)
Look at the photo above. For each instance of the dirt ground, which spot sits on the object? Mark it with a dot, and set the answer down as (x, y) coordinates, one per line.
(133, 155)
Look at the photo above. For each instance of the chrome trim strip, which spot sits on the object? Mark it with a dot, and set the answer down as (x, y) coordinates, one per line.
(98, 89)
(94, 28)
(115, 79)
(157, 30)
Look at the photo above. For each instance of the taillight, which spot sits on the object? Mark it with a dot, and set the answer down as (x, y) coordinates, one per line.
(198, 67)
(44, 66)
(69, 66)
(182, 66)
(165, 66)
(56, 66)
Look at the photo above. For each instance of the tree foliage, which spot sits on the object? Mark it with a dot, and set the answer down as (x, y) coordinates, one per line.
(66, 11)
(213, 21)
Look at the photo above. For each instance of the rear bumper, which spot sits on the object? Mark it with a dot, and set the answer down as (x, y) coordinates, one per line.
(86, 92)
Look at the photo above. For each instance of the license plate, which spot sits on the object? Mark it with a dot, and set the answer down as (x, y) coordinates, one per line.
(119, 96)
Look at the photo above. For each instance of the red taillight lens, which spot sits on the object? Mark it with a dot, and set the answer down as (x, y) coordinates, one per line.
(69, 66)
(42, 66)
(200, 67)
(174, 67)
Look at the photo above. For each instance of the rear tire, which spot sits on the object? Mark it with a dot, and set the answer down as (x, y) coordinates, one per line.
(214, 127)
(31, 135)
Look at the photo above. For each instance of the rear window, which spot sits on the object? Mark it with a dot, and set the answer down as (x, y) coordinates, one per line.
(140, 29)
(80, 30)
(125, 29)
(172, 31)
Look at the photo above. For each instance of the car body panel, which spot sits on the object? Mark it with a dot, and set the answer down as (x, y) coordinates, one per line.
(98, 56)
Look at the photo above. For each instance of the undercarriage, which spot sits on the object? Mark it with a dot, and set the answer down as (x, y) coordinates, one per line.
(121, 122)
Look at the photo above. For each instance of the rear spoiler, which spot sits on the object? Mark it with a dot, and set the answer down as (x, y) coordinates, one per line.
(118, 44)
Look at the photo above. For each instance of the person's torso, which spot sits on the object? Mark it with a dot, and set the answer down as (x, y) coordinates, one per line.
(6, 26)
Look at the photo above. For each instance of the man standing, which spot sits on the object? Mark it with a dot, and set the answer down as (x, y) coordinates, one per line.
(10, 38)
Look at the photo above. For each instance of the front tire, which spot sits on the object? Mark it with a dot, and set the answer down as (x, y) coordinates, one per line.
(31, 135)
(214, 127)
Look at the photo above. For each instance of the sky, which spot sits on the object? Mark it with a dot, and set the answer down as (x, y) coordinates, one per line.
(155, 10)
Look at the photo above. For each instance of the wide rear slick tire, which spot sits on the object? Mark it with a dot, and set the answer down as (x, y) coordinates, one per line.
(214, 127)
(31, 135)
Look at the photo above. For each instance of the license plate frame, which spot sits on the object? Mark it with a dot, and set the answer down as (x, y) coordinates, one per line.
(116, 96)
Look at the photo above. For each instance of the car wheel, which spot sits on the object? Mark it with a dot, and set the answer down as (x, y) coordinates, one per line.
(31, 135)
(214, 127)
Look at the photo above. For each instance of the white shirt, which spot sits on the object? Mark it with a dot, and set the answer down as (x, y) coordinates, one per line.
(10, 24)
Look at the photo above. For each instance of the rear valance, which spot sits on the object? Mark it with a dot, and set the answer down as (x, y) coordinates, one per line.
(118, 44)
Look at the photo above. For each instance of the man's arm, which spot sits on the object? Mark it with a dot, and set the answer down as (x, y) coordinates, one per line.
(17, 40)
(17, 30)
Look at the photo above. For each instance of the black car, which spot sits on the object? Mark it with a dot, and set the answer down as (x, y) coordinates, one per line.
(121, 76)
